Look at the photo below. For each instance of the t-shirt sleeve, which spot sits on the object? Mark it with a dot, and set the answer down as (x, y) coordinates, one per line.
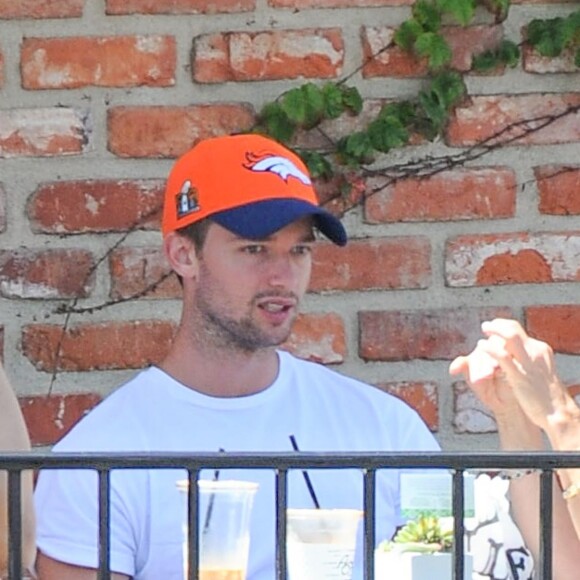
(67, 509)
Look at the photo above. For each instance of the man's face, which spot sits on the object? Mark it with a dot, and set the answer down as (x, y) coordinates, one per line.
(247, 292)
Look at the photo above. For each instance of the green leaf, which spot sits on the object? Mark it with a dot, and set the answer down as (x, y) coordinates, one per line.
(435, 48)
(404, 111)
(462, 10)
(318, 165)
(356, 149)
(449, 88)
(406, 35)
(428, 15)
(314, 104)
(352, 100)
(304, 106)
(433, 109)
(547, 36)
(333, 105)
(506, 54)
(293, 105)
(509, 53)
(387, 133)
(276, 123)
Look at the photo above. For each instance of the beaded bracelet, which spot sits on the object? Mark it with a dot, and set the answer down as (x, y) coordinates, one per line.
(514, 473)
(571, 491)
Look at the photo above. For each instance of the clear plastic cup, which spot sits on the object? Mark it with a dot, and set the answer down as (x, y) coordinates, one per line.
(225, 508)
(321, 543)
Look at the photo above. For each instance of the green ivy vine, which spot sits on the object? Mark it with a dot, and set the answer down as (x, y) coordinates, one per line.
(304, 108)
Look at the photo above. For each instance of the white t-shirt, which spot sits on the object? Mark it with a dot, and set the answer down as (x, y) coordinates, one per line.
(324, 410)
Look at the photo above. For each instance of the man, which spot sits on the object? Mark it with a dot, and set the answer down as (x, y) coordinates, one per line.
(238, 227)
(514, 376)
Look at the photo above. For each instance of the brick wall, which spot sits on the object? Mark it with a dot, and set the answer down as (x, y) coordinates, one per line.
(98, 97)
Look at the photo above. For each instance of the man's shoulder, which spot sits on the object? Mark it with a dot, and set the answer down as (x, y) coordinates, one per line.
(103, 426)
(313, 375)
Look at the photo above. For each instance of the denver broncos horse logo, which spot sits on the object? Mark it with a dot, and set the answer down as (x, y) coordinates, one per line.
(277, 164)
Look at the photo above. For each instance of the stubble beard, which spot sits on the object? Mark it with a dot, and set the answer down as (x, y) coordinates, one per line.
(227, 333)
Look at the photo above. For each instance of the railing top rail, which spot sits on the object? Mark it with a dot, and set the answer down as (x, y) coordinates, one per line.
(291, 460)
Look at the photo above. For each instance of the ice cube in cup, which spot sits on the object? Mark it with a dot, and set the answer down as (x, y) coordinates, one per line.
(321, 543)
(225, 508)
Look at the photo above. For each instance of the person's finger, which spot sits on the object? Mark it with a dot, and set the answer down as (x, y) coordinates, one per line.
(514, 337)
(459, 365)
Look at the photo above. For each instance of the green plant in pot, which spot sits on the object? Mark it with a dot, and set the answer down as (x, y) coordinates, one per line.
(420, 550)
(424, 534)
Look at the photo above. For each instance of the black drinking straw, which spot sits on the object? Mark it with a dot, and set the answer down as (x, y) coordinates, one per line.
(306, 476)
(216, 476)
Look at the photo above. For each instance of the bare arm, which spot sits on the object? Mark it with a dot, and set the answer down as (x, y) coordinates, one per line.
(517, 400)
(49, 569)
(14, 437)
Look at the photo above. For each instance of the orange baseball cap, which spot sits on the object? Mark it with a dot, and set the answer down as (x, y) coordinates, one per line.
(249, 184)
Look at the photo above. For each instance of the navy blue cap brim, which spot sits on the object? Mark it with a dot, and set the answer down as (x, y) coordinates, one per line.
(261, 219)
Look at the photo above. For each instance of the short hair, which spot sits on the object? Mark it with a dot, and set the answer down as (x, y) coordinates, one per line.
(196, 232)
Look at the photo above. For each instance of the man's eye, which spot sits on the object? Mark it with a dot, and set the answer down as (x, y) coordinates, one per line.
(302, 250)
(253, 249)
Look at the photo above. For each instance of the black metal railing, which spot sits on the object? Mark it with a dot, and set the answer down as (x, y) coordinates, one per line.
(281, 463)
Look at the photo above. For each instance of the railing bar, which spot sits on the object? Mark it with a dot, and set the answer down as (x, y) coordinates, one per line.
(281, 505)
(369, 523)
(104, 572)
(192, 525)
(458, 503)
(546, 515)
(15, 524)
(332, 460)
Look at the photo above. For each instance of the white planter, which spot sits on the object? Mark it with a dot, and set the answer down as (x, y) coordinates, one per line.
(418, 566)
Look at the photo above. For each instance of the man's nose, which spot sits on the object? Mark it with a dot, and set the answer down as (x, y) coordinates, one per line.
(281, 270)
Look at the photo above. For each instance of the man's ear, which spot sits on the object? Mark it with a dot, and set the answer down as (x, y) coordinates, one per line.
(181, 255)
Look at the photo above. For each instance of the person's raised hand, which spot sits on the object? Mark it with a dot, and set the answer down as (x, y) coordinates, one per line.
(485, 377)
(528, 365)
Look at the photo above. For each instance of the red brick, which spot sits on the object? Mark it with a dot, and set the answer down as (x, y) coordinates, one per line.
(556, 325)
(513, 258)
(533, 62)
(558, 186)
(135, 270)
(301, 4)
(2, 209)
(508, 120)
(113, 61)
(421, 334)
(383, 58)
(97, 346)
(46, 274)
(318, 337)
(397, 262)
(470, 414)
(41, 8)
(66, 207)
(171, 131)
(178, 6)
(46, 132)
(268, 55)
(451, 195)
(49, 418)
(423, 397)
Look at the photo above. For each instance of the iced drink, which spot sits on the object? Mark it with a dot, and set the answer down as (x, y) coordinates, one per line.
(225, 507)
(221, 574)
(321, 543)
